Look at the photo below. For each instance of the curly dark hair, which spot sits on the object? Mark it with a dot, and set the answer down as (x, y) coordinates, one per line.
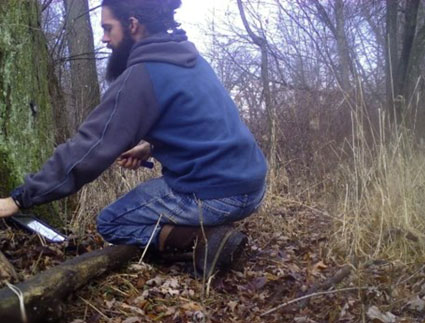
(156, 15)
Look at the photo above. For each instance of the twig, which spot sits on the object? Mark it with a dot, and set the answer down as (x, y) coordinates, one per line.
(150, 240)
(309, 296)
(118, 291)
(95, 308)
(399, 282)
(87, 12)
(341, 274)
(330, 282)
(46, 5)
(204, 236)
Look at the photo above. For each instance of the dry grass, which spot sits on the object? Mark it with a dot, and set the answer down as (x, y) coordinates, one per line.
(382, 194)
(114, 183)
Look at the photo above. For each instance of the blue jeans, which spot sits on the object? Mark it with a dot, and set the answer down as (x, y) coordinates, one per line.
(132, 218)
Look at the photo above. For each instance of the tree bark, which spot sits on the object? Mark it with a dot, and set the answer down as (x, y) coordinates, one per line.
(402, 66)
(391, 51)
(270, 109)
(410, 24)
(44, 293)
(84, 83)
(345, 65)
(26, 123)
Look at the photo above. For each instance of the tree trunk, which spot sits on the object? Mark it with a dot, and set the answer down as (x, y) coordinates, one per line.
(84, 83)
(402, 68)
(409, 33)
(26, 124)
(391, 51)
(345, 62)
(270, 109)
(43, 294)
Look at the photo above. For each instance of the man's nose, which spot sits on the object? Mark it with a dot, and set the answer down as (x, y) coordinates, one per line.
(105, 39)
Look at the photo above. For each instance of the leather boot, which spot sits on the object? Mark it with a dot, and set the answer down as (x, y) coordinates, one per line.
(180, 238)
(220, 250)
(217, 248)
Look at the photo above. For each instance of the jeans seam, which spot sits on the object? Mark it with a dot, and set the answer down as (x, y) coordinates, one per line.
(245, 202)
(132, 235)
(142, 205)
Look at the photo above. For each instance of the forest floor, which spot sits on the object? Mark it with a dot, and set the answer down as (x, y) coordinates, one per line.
(287, 257)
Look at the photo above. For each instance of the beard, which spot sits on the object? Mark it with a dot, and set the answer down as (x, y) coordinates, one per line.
(117, 62)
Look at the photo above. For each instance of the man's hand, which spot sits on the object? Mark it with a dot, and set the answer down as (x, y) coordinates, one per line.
(8, 207)
(133, 158)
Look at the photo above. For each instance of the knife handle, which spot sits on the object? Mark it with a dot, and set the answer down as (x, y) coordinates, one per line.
(147, 164)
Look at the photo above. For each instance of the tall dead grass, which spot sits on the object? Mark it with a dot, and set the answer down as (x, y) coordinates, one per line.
(381, 201)
(114, 183)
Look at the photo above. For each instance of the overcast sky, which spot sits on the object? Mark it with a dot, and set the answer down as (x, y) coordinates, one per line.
(196, 14)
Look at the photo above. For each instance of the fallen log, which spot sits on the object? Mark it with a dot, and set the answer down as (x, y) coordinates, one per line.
(43, 294)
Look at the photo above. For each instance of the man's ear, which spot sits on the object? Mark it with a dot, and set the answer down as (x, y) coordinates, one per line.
(137, 30)
(134, 25)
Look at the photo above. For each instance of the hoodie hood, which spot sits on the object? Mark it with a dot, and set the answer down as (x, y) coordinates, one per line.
(165, 48)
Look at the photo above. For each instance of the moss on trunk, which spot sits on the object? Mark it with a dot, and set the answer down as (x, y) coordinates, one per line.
(26, 119)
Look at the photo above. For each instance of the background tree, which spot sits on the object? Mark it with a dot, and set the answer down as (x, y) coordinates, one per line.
(261, 42)
(85, 94)
(69, 34)
(404, 53)
(333, 17)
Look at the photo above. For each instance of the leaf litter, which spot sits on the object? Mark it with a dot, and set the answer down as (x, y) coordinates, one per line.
(287, 254)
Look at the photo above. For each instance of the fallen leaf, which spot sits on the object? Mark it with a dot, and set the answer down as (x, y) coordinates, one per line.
(416, 304)
(170, 311)
(169, 287)
(110, 303)
(140, 282)
(140, 301)
(192, 306)
(318, 267)
(132, 320)
(271, 276)
(133, 309)
(172, 282)
(155, 281)
(259, 282)
(303, 319)
(232, 305)
(345, 313)
(374, 313)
